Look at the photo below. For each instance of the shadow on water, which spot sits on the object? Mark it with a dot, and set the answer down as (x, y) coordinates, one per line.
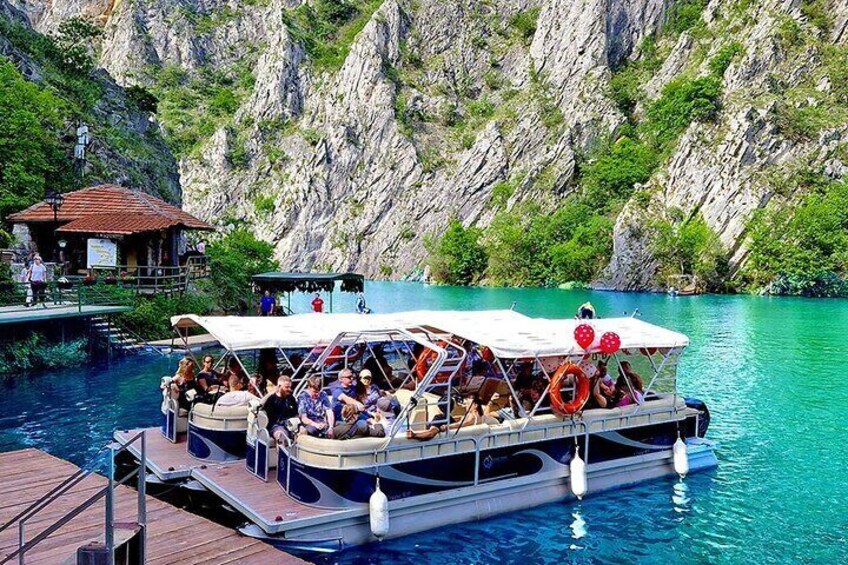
(770, 370)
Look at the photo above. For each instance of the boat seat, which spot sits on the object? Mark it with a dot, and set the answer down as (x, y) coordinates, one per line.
(220, 417)
(359, 452)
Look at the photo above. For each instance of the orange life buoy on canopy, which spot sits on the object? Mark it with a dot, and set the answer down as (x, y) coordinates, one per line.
(581, 389)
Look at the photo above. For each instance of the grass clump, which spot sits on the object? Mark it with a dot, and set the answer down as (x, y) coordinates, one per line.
(327, 28)
(523, 24)
(684, 15)
(264, 204)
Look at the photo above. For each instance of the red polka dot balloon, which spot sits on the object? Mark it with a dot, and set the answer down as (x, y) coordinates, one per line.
(610, 343)
(584, 335)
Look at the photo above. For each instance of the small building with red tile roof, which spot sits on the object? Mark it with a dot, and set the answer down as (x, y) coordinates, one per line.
(145, 230)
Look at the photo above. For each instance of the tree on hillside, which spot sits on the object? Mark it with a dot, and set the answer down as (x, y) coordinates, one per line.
(233, 260)
(31, 156)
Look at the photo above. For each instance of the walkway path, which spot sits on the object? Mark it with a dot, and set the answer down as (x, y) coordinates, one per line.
(20, 314)
(174, 536)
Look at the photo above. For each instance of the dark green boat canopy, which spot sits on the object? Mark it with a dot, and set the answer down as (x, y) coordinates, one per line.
(309, 282)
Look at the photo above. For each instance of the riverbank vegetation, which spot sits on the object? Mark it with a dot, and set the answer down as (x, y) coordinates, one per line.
(802, 250)
(35, 353)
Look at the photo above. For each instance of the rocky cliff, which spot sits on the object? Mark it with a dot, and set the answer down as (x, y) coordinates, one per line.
(347, 133)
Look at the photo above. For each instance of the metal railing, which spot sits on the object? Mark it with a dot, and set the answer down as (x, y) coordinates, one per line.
(452, 444)
(166, 279)
(107, 491)
(22, 297)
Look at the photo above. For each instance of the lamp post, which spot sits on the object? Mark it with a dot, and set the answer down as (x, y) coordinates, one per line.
(55, 200)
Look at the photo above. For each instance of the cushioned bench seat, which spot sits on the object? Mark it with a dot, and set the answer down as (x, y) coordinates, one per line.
(211, 417)
(356, 453)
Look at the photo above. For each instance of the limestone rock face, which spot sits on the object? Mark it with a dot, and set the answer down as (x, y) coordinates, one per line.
(464, 108)
(728, 169)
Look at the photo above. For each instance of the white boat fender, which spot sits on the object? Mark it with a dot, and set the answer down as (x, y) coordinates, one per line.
(578, 474)
(378, 506)
(681, 457)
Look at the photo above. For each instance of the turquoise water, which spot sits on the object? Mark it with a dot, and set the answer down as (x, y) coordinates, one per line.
(770, 370)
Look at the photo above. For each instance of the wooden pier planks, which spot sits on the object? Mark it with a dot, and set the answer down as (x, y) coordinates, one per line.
(174, 536)
(231, 481)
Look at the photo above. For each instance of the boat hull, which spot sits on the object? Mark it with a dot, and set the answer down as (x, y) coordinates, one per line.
(420, 513)
(216, 445)
(347, 488)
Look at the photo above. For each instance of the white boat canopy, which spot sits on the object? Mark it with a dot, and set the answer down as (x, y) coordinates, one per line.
(507, 333)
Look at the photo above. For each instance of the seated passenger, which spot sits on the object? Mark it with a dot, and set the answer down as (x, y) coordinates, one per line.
(629, 386)
(315, 409)
(280, 407)
(493, 409)
(383, 416)
(532, 396)
(184, 382)
(367, 392)
(344, 394)
(352, 423)
(237, 396)
(603, 373)
(269, 365)
(604, 393)
(208, 377)
(471, 416)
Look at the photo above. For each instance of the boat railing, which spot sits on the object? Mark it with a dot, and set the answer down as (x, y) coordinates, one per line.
(107, 491)
(494, 437)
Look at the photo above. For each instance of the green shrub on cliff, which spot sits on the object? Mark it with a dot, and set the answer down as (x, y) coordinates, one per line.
(689, 246)
(457, 257)
(327, 28)
(803, 249)
(233, 260)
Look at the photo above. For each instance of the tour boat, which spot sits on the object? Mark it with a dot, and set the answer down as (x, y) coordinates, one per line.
(320, 493)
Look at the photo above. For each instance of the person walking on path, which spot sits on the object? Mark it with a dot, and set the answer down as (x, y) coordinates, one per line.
(38, 280)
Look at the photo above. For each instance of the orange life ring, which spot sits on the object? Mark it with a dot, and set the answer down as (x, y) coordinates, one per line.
(581, 389)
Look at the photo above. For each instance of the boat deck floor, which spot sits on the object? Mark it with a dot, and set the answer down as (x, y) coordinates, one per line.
(263, 503)
(168, 461)
(174, 536)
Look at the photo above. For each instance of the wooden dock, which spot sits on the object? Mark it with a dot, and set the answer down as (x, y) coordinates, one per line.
(263, 503)
(173, 536)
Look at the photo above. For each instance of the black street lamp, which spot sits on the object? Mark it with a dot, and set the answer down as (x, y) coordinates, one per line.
(55, 200)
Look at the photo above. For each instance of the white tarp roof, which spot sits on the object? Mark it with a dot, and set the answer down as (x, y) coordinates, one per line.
(507, 333)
